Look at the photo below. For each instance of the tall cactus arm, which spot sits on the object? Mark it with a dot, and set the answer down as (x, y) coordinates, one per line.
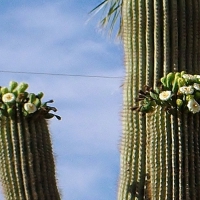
(133, 141)
(160, 152)
(159, 36)
(27, 168)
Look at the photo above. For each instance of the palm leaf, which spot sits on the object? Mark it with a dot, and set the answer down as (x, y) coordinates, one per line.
(111, 12)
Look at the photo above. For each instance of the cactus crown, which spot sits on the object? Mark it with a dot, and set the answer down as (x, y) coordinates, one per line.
(16, 97)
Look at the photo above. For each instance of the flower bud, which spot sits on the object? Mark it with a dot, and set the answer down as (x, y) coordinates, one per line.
(164, 81)
(170, 78)
(37, 102)
(4, 90)
(22, 87)
(40, 95)
(179, 102)
(178, 74)
(12, 85)
(31, 97)
(181, 82)
(175, 85)
(189, 97)
(182, 73)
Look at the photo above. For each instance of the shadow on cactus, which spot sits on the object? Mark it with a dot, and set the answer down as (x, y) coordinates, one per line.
(27, 168)
(175, 91)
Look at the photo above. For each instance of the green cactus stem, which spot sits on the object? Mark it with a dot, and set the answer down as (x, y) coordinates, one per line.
(160, 157)
(27, 168)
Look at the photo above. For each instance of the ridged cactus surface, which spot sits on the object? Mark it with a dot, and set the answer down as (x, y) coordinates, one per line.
(27, 168)
(160, 152)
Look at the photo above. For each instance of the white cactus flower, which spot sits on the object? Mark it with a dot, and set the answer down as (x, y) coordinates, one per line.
(196, 86)
(197, 76)
(189, 76)
(186, 90)
(193, 106)
(8, 98)
(30, 107)
(165, 95)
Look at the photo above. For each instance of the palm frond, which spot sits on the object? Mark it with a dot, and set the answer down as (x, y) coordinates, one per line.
(111, 12)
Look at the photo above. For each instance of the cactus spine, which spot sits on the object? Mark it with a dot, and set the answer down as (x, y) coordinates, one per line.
(159, 152)
(27, 168)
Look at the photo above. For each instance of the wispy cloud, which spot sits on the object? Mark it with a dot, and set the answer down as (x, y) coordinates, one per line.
(49, 37)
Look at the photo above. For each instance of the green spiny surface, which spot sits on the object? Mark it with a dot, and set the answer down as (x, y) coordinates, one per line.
(27, 168)
(160, 154)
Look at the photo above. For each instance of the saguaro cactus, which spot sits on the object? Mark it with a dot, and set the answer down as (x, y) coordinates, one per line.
(27, 169)
(160, 152)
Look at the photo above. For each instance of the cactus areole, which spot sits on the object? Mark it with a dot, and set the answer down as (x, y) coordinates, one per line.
(27, 168)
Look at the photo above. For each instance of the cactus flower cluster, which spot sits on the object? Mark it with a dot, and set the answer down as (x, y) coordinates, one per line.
(175, 91)
(16, 96)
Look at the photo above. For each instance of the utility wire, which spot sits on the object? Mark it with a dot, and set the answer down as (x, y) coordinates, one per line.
(63, 74)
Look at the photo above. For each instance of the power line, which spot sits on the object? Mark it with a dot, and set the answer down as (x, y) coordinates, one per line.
(62, 74)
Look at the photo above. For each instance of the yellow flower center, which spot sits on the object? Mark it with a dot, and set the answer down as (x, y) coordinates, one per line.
(195, 105)
(165, 94)
(9, 97)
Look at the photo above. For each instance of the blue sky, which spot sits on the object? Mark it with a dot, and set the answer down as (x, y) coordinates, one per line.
(55, 37)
